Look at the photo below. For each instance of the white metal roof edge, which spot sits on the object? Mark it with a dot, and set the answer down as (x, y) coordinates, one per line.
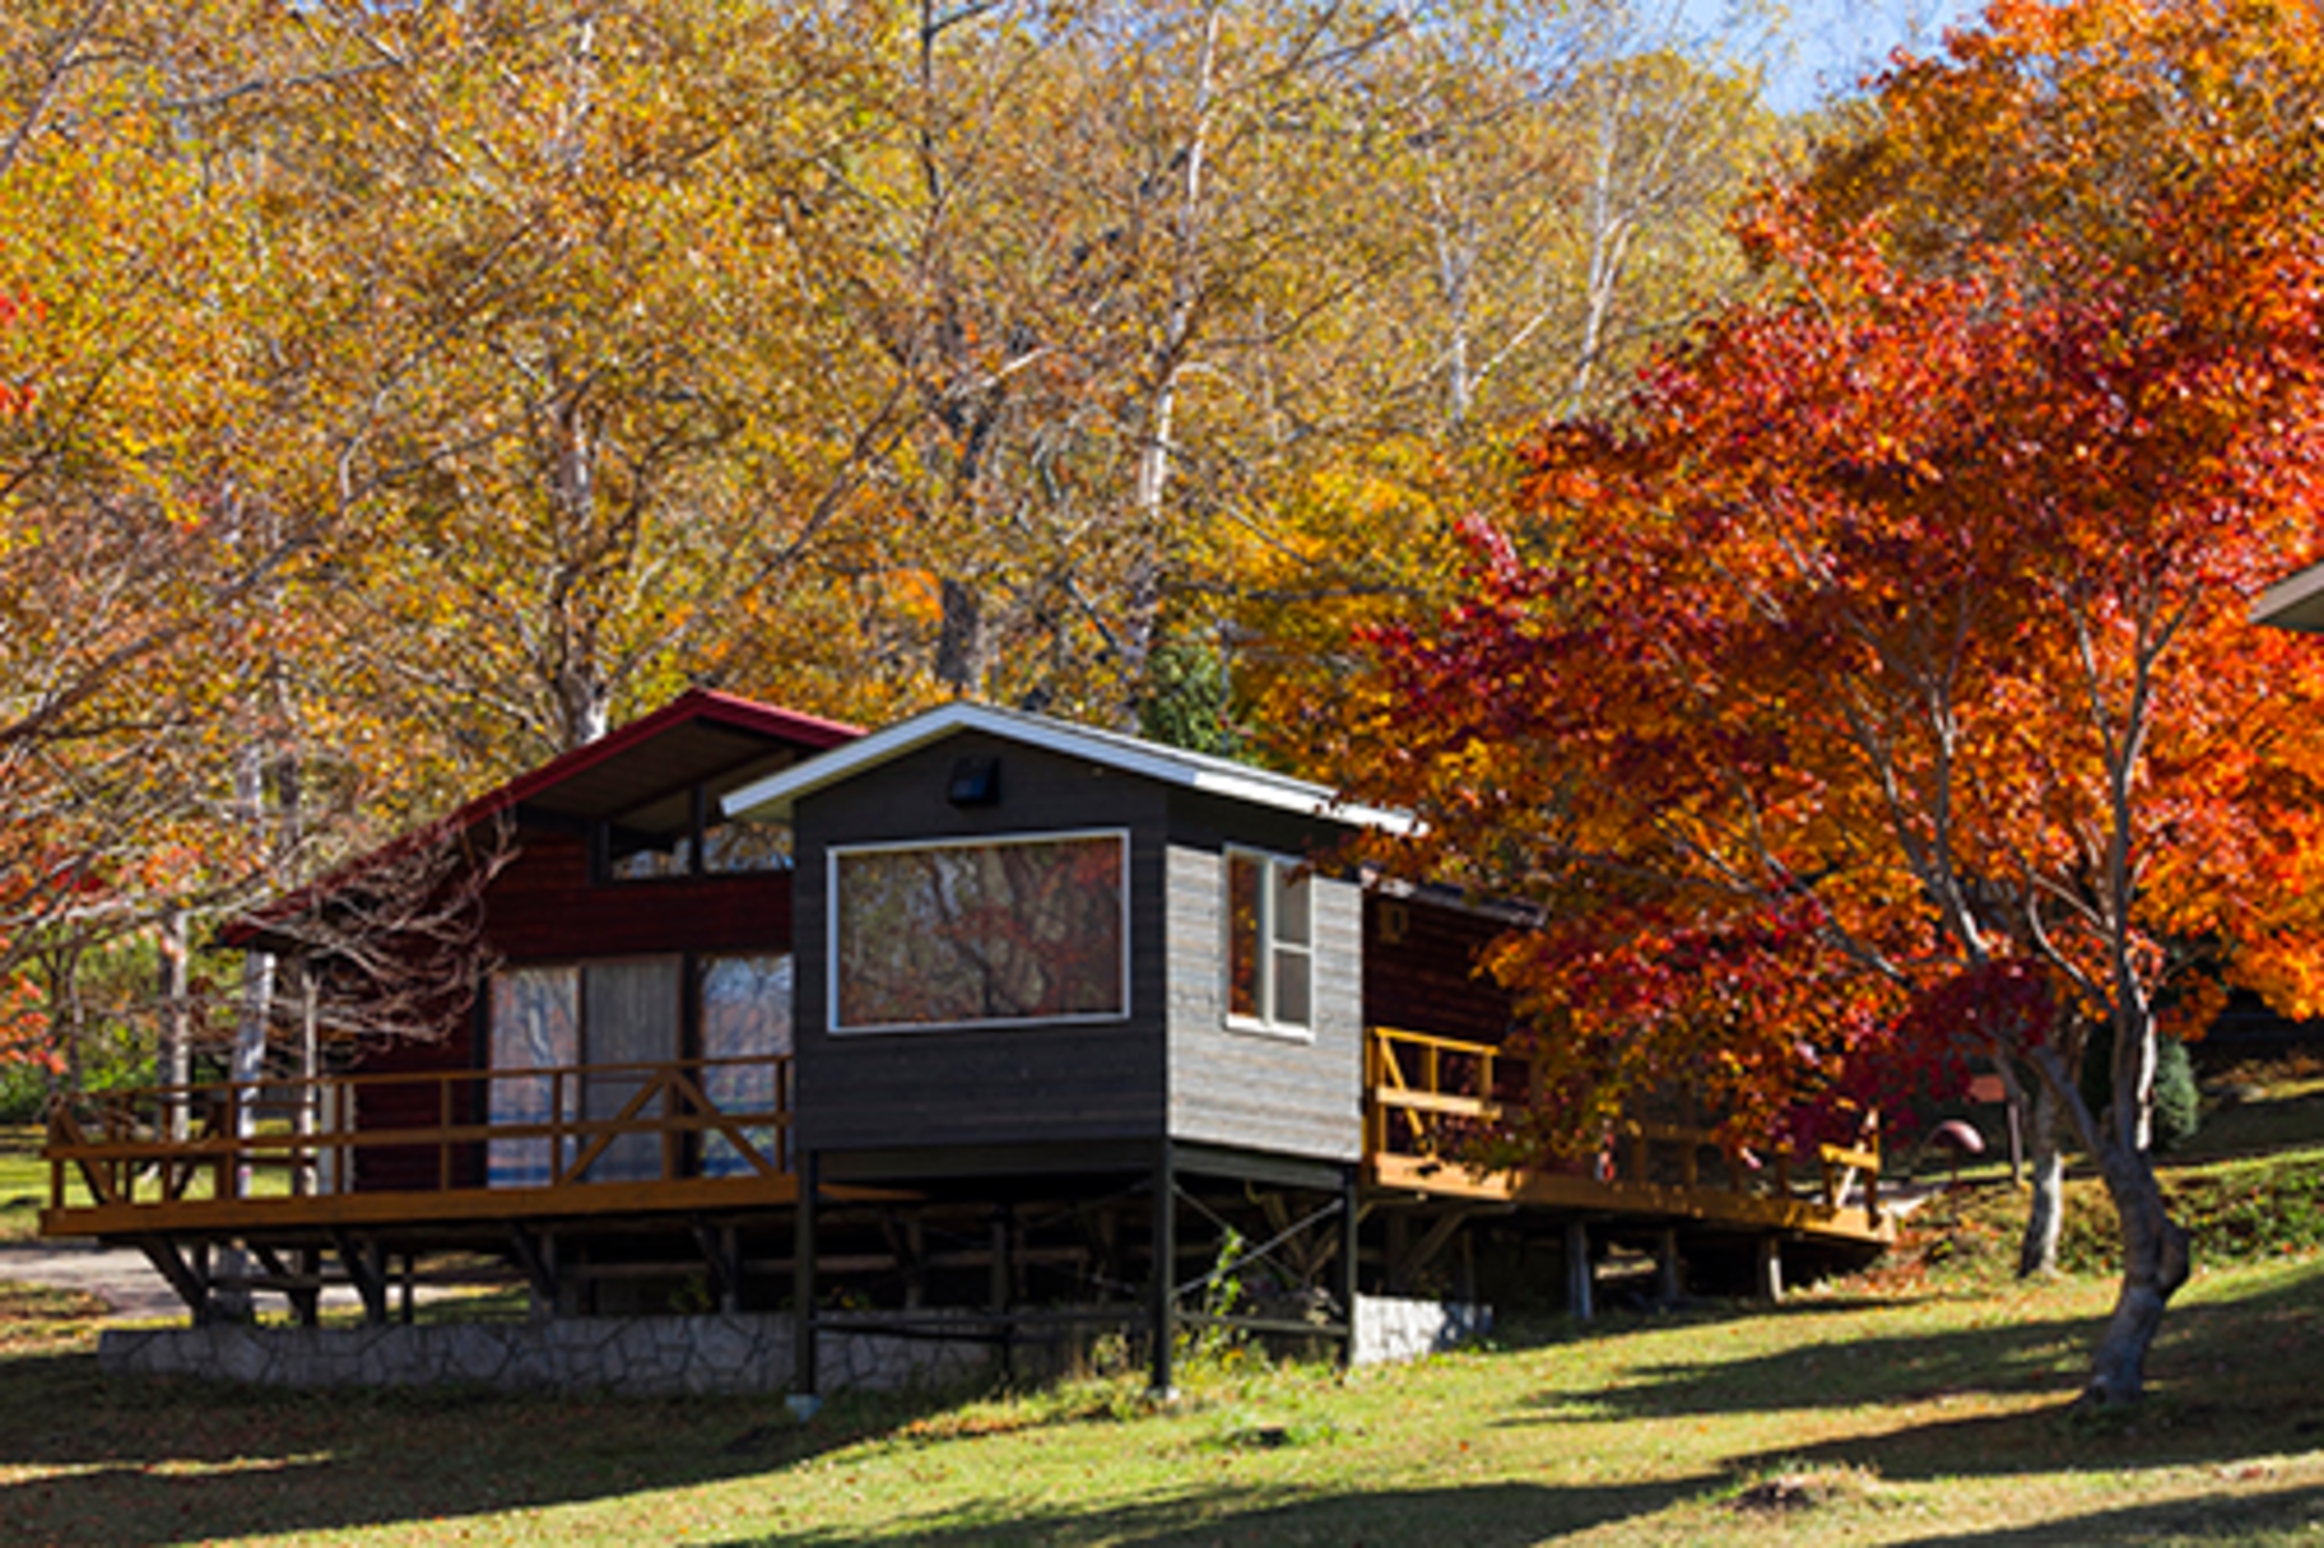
(1195, 771)
(2295, 602)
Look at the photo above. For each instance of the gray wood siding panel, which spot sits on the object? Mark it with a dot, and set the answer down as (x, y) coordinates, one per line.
(1016, 1085)
(1258, 1090)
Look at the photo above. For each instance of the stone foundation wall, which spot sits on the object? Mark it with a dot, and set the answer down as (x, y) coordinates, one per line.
(651, 1355)
(644, 1355)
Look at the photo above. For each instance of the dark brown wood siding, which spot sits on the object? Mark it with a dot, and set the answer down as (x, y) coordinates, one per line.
(1420, 970)
(543, 907)
(964, 1086)
(418, 1104)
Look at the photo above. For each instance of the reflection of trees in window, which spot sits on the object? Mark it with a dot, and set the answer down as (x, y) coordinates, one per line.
(1270, 941)
(746, 1013)
(536, 1025)
(1246, 878)
(725, 849)
(730, 848)
(1024, 930)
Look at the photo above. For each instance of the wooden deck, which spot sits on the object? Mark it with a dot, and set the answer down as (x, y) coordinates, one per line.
(224, 1158)
(1429, 1098)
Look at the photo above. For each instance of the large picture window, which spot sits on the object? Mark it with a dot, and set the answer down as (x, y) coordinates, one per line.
(1270, 947)
(982, 932)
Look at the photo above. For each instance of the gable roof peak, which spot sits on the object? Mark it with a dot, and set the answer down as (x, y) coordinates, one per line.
(1224, 777)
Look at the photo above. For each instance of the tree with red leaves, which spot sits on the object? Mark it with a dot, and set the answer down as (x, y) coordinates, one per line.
(1877, 691)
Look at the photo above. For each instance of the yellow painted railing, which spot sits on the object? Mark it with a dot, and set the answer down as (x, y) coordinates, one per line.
(424, 1132)
(1437, 1097)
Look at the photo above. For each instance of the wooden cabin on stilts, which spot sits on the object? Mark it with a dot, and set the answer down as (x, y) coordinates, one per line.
(980, 1031)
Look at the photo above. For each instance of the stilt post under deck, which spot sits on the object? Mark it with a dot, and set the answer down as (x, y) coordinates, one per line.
(1669, 1279)
(804, 1398)
(1003, 1286)
(1350, 1219)
(1164, 1292)
(1578, 1280)
(1770, 1268)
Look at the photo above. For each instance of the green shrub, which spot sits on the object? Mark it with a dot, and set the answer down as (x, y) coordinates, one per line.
(23, 1093)
(2178, 1104)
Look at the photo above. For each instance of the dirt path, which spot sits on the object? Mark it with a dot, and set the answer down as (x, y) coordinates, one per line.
(123, 1279)
(118, 1276)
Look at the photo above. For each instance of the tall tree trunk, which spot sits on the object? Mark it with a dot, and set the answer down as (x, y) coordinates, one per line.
(1188, 281)
(2037, 1253)
(232, 1300)
(173, 1055)
(961, 640)
(2155, 1263)
(2155, 1248)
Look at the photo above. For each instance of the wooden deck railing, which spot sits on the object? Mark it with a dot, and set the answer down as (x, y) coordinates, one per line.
(425, 1132)
(1437, 1098)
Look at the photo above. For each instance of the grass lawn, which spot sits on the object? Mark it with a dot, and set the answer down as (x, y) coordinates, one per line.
(1855, 1415)
(1924, 1402)
(23, 1181)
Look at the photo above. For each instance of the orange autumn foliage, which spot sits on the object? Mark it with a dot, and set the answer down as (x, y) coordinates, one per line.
(1893, 639)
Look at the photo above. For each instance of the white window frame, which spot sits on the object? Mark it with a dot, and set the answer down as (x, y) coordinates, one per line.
(1274, 870)
(838, 852)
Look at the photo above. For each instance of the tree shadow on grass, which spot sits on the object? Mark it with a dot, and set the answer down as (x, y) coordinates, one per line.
(1539, 1330)
(2223, 1371)
(144, 1460)
(2227, 1381)
(2012, 1358)
(1489, 1515)
(2278, 1514)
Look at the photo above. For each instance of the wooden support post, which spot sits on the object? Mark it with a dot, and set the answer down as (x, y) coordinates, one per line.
(1350, 1221)
(1413, 1259)
(804, 1397)
(1669, 1274)
(1163, 1293)
(997, 1282)
(538, 1260)
(1003, 1287)
(307, 1300)
(915, 1260)
(366, 1266)
(410, 1280)
(190, 1280)
(1579, 1282)
(1770, 1279)
(723, 1263)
